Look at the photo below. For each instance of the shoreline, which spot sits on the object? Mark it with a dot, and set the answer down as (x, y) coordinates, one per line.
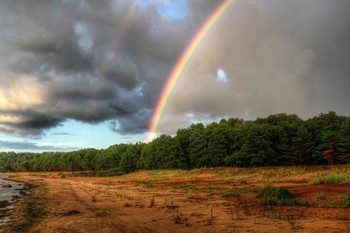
(12, 192)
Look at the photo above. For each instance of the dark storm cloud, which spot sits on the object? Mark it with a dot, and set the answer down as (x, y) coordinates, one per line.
(30, 123)
(85, 60)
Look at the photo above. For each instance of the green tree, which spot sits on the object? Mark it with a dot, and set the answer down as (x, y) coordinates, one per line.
(198, 145)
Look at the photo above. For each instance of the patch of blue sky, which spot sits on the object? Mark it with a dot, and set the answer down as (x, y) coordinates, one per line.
(221, 75)
(70, 135)
(176, 9)
(83, 135)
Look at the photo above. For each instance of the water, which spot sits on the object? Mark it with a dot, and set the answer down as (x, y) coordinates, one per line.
(9, 196)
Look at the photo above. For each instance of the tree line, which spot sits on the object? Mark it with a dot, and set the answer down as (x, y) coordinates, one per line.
(277, 140)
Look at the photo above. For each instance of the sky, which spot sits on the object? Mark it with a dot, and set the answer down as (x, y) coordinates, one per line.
(80, 74)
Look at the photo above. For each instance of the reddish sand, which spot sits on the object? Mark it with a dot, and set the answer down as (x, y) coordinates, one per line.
(186, 203)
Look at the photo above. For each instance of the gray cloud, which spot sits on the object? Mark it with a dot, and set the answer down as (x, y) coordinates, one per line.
(96, 61)
(30, 146)
(62, 134)
(278, 56)
(84, 60)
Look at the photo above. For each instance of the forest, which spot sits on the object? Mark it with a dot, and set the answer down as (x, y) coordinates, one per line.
(277, 140)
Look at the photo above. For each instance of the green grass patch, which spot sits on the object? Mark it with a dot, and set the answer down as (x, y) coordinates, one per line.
(109, 173)
(278, 196)
(346, 201)
(279, 180)
(144, 183)
(276, 215)
(241, 180)
(170, 172)
(332, 179)
(188, 187)
(231, 193)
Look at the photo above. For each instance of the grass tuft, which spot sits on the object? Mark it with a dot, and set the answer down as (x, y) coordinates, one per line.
(347, 201)
(332, 179)
(230, 193)
(188, 187)
(278, 196)
(275, 215)
(320, 196)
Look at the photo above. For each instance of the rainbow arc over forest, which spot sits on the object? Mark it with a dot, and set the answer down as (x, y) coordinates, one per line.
(182, 64)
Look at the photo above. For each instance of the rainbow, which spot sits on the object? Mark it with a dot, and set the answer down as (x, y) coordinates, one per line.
(182, 64)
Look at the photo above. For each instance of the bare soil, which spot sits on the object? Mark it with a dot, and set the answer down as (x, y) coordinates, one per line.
(200, 201)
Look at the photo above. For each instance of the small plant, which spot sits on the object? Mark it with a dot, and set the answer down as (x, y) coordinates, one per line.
(146, 184)
(345, 217)
(177, 217)
(347, 201)
(189, 187)
(230, 193)
(246, 208)
(241, 180)
(320, 196)
(63, 176)
(151, 202)
(275, 215)
(126, 204)
(3, 204)
(211, 219)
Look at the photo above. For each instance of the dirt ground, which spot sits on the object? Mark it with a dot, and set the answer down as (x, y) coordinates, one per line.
(207, 200)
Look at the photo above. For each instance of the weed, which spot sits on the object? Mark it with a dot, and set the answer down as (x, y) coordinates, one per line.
(344, 216)
(246, 208)
(177, 217)
(230, 193)
(278, 180)
(3, 204)
(151, 202)
(241, 180)
(172, 206)
(211, 219)
(144, 183)
(275, 215)
(126, 204)
(346, 201)
(320, 196)
(188, 187)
